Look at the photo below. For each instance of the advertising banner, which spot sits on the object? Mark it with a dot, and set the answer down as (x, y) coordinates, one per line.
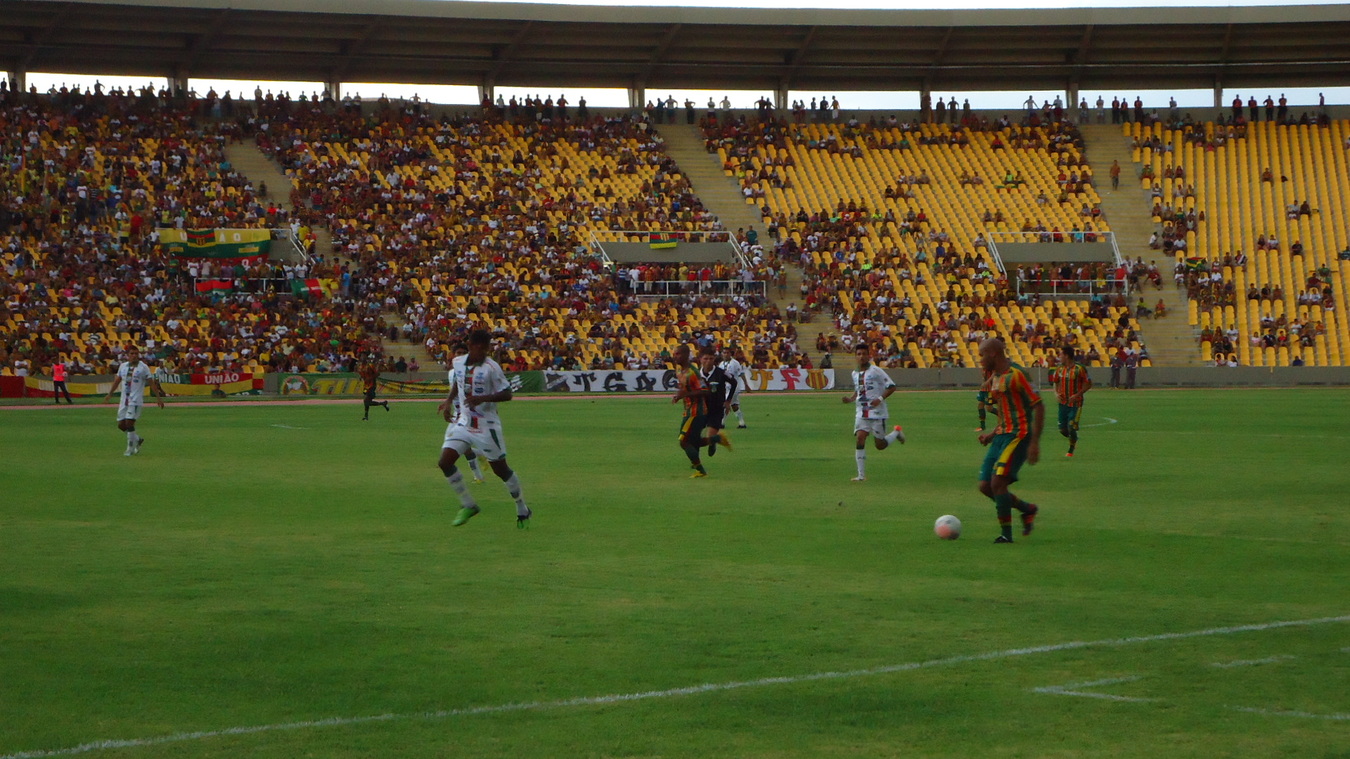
(351, 384)
(663, 380)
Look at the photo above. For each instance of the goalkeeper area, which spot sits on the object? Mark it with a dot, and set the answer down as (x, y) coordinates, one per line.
(282, 580)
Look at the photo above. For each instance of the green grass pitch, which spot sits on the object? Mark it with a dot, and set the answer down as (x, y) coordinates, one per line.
(282, 581)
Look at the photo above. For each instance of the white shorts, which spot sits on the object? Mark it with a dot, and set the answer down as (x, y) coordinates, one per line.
(130, 411)
(874, 427)
(486, 440)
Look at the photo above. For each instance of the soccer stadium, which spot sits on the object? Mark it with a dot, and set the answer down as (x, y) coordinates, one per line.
(282, 248)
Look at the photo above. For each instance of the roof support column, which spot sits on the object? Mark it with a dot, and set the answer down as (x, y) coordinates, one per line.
(1218, 92)
(1072, 92)
(637, 98)
(18, 80)
(925, 101)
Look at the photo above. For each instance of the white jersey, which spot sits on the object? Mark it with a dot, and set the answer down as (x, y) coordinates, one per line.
(134, 379)
(734, 371)
(869, 385)
(486, 378)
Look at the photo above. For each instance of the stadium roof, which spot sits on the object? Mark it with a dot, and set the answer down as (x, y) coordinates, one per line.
(532, 45)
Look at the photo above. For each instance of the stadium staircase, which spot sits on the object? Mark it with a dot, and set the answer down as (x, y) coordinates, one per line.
(1170, 340)
(722, 195)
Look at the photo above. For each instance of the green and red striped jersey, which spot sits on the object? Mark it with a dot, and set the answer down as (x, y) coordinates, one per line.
(1014, 397)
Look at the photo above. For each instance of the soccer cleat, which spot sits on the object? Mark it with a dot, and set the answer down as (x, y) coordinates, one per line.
(899, 434)
(1068, 455)
(740, 427)
(386, 405)
(1003, 539)
(140, 441)
(1027, 519)
(127, 452)
(724, 440)
(464, 515)
(858, 479)
(523, 520)
(697, 474)
(478, 480)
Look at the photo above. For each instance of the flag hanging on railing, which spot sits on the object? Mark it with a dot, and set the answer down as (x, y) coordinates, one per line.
(214, 285)
(660, 240)
(220, 245)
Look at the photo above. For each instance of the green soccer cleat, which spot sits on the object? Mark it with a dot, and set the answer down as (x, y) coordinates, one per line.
(464, 515)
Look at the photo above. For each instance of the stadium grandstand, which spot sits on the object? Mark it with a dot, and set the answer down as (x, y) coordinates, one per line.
(393, 228)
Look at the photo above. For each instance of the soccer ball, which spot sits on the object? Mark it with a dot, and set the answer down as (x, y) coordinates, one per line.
(947, 527)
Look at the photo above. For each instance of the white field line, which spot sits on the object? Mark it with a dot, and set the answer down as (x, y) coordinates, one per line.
(1288, 713)
(1251, 662)
(658, 694)
(1072, 689)
(1108, 419)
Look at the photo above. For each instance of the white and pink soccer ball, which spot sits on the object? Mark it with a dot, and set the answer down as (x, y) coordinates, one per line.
(947, 527)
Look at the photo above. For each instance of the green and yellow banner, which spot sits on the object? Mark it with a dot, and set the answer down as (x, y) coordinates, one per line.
(217, 244)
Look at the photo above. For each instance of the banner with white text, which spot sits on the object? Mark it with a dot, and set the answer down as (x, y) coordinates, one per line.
(663, 380)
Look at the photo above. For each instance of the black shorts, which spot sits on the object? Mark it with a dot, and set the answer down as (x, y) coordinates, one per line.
(713, 420)
(370, 393)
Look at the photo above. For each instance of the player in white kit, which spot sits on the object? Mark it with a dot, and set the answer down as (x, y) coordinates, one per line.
(479, 384)
(735, 370)
(455, 409)
(872, 386)
(133, 376)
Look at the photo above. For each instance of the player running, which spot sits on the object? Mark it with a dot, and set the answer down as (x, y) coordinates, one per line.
(719, 388)
(479, 384)
(695, 397)
(133, 376)
(1015, 440)
(455, 410)
(370, 374)
(1071, 381)
(735, 371)
(872, 386)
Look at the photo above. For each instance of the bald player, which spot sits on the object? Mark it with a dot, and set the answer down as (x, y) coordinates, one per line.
(1016, 439)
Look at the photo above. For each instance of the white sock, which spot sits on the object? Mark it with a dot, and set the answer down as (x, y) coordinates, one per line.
(456, 481)
(891, 438)
(132, 440)
(513, 487)
(740, 418)
(477, 470)
(861, 456)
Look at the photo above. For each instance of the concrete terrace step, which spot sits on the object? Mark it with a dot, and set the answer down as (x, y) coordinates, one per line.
(1169, 340)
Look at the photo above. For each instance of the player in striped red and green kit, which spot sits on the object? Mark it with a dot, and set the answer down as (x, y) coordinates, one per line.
(1016, 439)
(1071, 382)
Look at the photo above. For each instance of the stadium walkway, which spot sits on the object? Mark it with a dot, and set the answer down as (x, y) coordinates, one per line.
(722, 196)
(1170, 340)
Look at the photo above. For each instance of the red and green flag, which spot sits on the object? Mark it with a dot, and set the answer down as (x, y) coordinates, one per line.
(214, 285)
(659, 240)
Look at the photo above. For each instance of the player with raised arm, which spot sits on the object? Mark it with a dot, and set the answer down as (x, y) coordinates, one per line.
(479, 384)
(1015, 440)
(370, 375)
(871, 387)
(719, 388)
(1071, 381)
(735, 371)
(133, 376)
(690, 389)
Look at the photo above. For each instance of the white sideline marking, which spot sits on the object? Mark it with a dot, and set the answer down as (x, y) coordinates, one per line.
(617, 698)
(288, 427)
(1108, 419)
(1251, 662)
(1286, 713)
(1064, 690)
